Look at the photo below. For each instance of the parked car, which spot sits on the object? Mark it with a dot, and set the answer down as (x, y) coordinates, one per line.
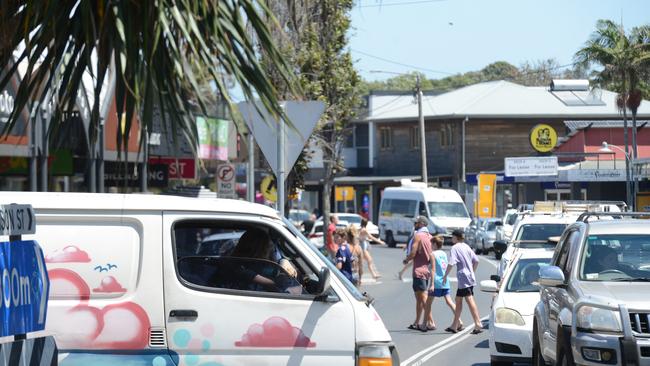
(470, 232)
(504, 232)
(486, 234)
(513, 307)
(316, 236)
(355, 220)
(298, 216)
(595, 295)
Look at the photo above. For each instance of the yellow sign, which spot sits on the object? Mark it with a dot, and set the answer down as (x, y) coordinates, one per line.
(643, 202)
(543, 138)
(344, 193)
(269, 188)
(487, 184)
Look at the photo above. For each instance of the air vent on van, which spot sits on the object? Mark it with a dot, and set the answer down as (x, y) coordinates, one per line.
(157, 338)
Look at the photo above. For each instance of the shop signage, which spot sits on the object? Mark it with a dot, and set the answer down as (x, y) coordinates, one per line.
(543, 138)
(226, 181)
(181, 168)
(115, 175)
(595, 175)
(531, 166)
(213, 138)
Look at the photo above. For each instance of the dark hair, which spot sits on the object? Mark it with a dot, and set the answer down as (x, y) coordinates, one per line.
(255, 243)
(364, 222)
(437, 241)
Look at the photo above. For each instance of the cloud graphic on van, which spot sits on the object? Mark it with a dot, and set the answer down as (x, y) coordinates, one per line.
(109, 285)
(275, 332)
(68, 254)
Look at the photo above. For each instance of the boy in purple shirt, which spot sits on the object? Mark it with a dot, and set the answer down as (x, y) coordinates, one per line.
(466, 262)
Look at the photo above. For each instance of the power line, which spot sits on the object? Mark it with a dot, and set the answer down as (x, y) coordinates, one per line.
(401, 64)
(400, 3)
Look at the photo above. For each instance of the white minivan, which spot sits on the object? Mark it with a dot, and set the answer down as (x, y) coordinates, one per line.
(133, 281)
(400, 205)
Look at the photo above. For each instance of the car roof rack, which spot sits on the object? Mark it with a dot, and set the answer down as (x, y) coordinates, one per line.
(576, 207)
(587, 215)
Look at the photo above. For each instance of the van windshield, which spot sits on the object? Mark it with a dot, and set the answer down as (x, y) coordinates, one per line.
(447, 209)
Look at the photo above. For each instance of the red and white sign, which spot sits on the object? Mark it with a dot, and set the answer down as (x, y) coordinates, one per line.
(226, 181)
(181, 168)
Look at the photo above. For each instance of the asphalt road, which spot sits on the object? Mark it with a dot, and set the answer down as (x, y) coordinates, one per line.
(395, 303)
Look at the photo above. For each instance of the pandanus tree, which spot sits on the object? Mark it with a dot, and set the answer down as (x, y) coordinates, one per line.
(156, 48)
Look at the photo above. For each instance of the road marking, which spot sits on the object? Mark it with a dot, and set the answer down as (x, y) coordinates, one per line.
(424, 355)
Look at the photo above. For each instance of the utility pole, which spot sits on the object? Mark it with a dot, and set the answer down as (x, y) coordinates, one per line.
(423, 145)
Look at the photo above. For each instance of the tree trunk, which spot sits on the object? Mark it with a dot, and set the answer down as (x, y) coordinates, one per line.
(628, 196)
(327, 195)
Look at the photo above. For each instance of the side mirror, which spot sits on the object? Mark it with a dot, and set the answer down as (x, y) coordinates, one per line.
(551, 276)
(323, 282)
(500, 246)
(489, 286)
(495, 278)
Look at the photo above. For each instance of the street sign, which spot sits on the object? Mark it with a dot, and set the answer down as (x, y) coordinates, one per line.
(17, 220)
(226, 181)
(269, 189)
(24, 288)
(303, 115)
(531, 166)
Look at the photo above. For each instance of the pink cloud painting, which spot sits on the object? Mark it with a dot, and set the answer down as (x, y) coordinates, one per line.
(109, 285)
(67, 255)
(275, 332)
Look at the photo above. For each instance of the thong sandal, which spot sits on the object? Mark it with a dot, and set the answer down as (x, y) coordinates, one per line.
(413, 327)
(477, 331)
(451, 330)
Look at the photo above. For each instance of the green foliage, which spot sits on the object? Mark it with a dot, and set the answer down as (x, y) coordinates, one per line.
(156, 47)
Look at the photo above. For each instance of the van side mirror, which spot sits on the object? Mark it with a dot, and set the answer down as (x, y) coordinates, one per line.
(500, 246)
(551, 276)
(323, 282)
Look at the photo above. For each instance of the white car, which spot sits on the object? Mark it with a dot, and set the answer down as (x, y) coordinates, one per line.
(316, 233)
(504, 232)
(513, 307)
(355, 220)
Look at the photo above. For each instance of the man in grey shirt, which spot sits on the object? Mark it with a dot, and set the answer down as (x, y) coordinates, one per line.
(463, 258)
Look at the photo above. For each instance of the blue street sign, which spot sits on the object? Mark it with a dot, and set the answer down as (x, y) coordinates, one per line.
(24, 288)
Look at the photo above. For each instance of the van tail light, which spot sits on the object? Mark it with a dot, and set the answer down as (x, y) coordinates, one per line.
(374, 355)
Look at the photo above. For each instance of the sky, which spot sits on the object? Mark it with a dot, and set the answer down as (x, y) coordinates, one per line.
(446, 37)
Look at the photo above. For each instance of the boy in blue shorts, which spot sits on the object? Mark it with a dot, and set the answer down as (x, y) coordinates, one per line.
(438, 288)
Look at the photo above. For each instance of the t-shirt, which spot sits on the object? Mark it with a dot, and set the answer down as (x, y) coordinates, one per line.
(463, 257)
(423, 256)
(344, 256)
(331, 246)
(441, 267)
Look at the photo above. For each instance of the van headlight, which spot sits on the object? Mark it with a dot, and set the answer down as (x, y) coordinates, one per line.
(509, 316)
(374, 355)
(593, 318)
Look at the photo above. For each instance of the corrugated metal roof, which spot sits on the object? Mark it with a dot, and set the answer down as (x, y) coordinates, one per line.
(582, 124)
(496, 99)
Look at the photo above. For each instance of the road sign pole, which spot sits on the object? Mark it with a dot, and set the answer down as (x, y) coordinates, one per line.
(250, 180)
(281, 167)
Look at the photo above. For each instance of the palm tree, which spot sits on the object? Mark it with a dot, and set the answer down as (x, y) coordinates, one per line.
(156, 47)
(624, 59)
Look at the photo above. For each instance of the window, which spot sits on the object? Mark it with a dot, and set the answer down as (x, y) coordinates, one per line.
(539, 232)
(240, 256)
(391, 207)
(562, 194)
(423, 209)
(386, 138)
(447, 134)
(525, 274)
(414, 137)
(448, 209)
(616, 257)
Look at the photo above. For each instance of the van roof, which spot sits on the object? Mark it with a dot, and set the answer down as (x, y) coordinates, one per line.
(429, 193)
(133, 201)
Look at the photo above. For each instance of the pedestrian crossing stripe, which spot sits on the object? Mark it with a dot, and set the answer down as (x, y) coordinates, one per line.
(40, 351)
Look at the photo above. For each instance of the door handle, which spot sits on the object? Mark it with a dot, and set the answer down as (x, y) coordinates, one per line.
(183, 314)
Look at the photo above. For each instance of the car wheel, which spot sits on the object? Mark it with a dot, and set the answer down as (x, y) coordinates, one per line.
(477, 251)
(564, 356)
(499, 363)
(538, 360)
(390, 240)
(483, 247)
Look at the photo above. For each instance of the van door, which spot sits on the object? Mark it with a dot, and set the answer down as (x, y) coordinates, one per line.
(217, 314)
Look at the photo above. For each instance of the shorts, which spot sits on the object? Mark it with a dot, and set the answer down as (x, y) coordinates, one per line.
(439, 292)
(420, 284)
(465, 292)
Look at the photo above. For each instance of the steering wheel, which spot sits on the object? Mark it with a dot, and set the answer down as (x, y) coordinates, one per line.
(613, 271)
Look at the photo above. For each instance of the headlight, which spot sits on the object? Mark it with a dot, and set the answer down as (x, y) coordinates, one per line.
(509, 316)
(593, 318)
(374, 355)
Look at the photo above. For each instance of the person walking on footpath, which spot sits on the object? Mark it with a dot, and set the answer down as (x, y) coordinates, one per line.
(438, 288)
(466, 262)
(330, 245)
(364, 240)
(421, 256)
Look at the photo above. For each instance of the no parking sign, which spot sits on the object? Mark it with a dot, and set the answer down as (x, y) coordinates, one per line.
(226, 181)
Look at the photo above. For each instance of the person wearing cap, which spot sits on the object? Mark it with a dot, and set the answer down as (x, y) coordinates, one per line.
(465, 260)
(420, 255)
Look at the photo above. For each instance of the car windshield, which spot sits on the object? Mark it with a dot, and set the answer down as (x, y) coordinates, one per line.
(524, 275)
(536, 235)
(447, 209)
(352, 219)
(333, 270)
(512, 218)
(616, 257)
(491, 226)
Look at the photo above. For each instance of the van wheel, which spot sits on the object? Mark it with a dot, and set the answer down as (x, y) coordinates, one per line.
(390, 240)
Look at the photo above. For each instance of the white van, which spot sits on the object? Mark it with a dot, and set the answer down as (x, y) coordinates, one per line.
(132, 282)
(400, 205)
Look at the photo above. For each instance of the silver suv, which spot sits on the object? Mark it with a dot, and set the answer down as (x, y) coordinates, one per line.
(594, 304)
